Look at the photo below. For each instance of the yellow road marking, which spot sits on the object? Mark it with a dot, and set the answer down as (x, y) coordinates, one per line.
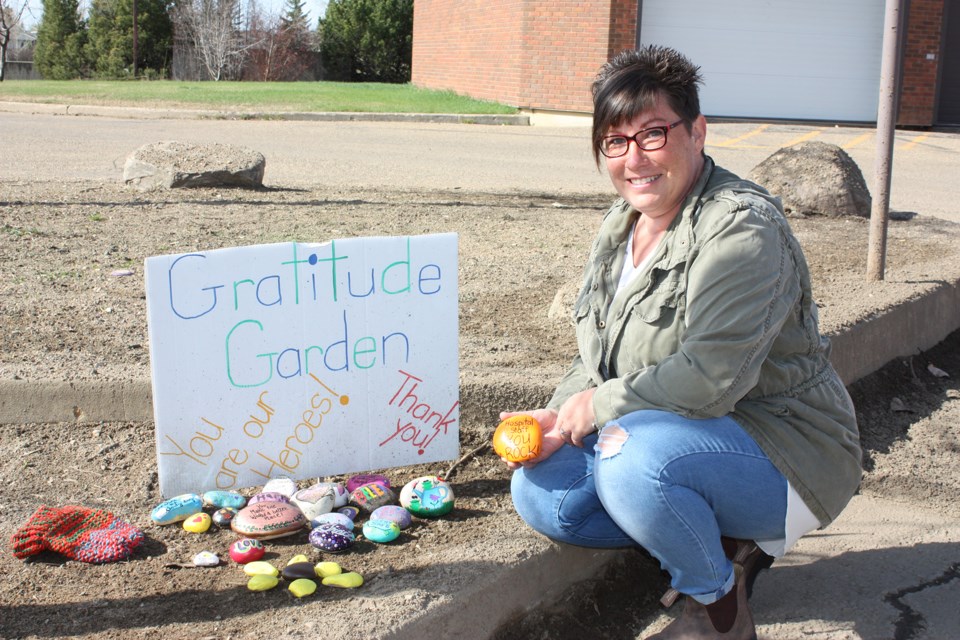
(804, 138)
(863, 137)
(915, 141)
(750, 134)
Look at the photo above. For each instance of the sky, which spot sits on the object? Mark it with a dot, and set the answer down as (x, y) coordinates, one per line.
(313, 8)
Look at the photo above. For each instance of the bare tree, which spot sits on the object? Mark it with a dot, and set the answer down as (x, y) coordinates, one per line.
(10, 17)
(215, 30)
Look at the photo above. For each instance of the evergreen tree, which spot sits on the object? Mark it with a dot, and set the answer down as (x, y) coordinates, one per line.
(367, 40)
(60, 40)
(110, 37)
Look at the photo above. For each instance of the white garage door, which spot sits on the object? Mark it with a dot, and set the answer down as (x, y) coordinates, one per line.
(797, 59)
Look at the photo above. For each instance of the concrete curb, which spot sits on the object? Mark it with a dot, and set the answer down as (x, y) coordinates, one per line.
(140, 113)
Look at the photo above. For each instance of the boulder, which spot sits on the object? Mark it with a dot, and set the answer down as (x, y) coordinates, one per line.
(172, 164)
(815, 178)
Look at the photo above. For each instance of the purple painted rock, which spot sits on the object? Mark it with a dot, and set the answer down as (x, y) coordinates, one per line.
(372, 496)
(331, 538)
(246, 550)
(427, 497)
(354, 482)
(223, 517)
(350, 511)
(266, 520)
(268, 496)
(315, 500)
(332, 518)
(394, 513)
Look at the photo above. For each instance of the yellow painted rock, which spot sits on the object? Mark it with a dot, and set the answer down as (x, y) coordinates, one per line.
(262, 583)
(298, 558)
(349, 580)
(260, 568)
(198, 522)
(518, 438)
(302, 587)
(327, 569)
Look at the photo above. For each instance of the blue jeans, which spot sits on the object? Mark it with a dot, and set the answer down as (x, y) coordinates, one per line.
(669, 484)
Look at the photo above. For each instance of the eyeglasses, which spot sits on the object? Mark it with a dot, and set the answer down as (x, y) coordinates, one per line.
(649, 139)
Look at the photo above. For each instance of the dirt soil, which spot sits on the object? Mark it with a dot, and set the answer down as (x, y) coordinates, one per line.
(67, 316)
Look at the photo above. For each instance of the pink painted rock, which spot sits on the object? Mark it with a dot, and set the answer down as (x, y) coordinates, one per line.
(266, 520)
(361, 479)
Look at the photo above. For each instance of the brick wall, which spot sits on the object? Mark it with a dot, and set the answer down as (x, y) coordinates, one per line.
(918, 95)
(537, 54)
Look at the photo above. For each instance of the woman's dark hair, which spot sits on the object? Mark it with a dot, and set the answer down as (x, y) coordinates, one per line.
(631, 83)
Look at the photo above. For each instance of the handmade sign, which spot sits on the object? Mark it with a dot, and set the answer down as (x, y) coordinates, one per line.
(303, 360)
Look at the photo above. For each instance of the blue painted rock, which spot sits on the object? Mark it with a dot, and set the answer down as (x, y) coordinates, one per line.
(268, 496)
(331, 538)
(350, 511)
(224, 500)
(393, 512)
(298, 570)
(354, 482)
(332, 518)
(266, 520)
(197, 523)
(286, 486)
(246, 550)
(379, 530)
(315, 500)
(427, 497)
(177, 509)
(370, 496)
(223, 517)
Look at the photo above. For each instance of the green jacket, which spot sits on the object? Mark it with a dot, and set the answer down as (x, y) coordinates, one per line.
(722, 321)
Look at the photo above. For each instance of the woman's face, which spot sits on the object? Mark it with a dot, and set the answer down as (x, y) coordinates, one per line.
(656, 182)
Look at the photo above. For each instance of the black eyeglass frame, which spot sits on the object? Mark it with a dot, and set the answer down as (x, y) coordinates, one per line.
(663, 128)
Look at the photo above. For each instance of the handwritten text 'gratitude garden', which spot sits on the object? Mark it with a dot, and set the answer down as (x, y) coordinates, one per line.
(328, 280)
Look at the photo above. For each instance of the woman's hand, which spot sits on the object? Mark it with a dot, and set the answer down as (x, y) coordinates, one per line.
(548, 428)
(576, 418)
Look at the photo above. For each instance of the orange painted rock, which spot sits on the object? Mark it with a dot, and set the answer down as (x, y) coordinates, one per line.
(518, 438)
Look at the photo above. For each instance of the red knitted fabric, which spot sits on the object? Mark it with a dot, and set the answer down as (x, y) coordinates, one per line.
(79, 533)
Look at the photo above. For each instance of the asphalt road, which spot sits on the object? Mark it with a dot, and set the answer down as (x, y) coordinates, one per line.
(426, 156)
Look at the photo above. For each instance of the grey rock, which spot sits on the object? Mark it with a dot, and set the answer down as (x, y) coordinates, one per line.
(172, 165)
(815, 178)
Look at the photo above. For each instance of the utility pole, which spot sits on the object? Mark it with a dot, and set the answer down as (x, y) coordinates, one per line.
(135, 38)
(886, 125)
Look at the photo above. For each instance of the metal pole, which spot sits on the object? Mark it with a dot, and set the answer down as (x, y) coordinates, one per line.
(886, 124)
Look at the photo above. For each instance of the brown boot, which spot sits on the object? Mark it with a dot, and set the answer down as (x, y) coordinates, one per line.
(696, 621)
(745, 553)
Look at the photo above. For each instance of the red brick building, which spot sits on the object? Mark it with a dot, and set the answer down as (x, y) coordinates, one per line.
(542, 55)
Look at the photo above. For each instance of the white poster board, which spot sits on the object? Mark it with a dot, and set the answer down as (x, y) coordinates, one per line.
(303, 360)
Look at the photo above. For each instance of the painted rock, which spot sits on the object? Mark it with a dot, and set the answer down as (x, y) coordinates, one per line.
(331, 538)
(339, 490)
(198, 523)
(357, 481)
(223, 517)
(371, 496)
(315, 500)
(349, 580)
(332, 518)
(262, 583)
(284, 485)
(297, 558)
(268, 496)
(260, 568)
(327, 569)
(302, 587)
(298, 570)
(206, 559)
(518, 438)
(350, 511)
(224, 499)
(266, 520)
(393, 512)
(177, 509)
(246, 550)
(427, 497)
(381, 530)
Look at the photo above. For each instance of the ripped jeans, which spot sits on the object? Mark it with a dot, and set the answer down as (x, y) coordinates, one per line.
(670, 484)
